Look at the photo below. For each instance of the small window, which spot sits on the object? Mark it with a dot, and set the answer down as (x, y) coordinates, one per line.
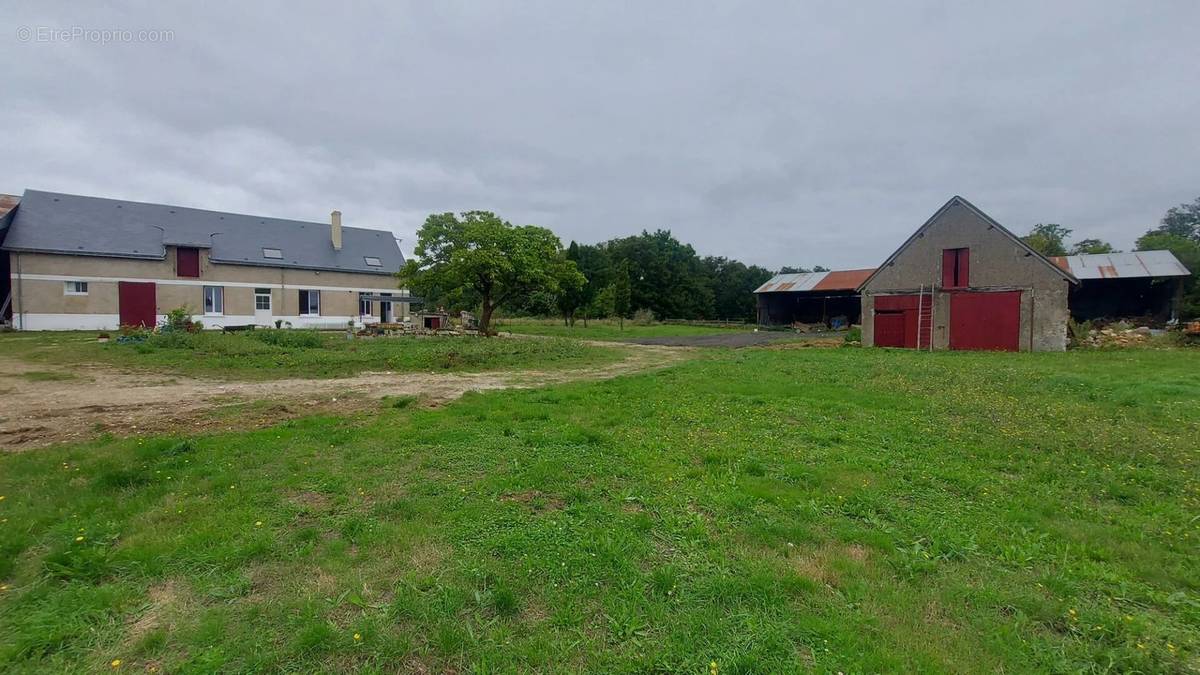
(364, 305)
(310, 303)
(273, 253)
(373, 262)
(214, 300)
(262, 299)
(75, 288)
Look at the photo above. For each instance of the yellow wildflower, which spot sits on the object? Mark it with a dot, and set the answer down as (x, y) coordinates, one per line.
(357, 637)
(116, 663)
(258, 523)
(79, 538)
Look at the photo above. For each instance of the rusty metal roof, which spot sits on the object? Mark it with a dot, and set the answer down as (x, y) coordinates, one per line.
(1122, 265)
(837, 280)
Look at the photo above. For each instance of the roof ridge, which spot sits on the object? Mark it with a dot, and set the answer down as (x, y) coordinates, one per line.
(201, 210)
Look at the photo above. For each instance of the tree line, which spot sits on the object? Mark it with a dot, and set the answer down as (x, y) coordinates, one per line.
(477, 261)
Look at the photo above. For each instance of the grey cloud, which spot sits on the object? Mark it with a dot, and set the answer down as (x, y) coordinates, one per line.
(771, 132)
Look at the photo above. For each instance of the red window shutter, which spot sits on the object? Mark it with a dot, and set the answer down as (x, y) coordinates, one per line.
(949, 266)
(964, 267)
(187, 262)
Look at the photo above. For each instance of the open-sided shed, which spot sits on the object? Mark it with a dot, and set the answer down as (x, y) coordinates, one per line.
(813, 297)
(1145, 284)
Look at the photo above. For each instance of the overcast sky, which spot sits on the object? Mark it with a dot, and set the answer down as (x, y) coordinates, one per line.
(771, 132)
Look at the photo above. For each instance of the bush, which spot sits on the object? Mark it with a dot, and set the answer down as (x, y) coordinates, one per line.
(642, 317)
(289, 339)
(180, 320)
(854, 334)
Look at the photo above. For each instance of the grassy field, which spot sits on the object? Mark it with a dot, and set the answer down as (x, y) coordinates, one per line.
(280, 354)
(608, 329)
(766, 510)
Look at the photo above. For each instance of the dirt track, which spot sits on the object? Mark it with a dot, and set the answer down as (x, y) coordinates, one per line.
(100, 399)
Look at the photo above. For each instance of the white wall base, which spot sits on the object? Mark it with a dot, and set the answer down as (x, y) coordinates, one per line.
(111, 322)
(35, 321)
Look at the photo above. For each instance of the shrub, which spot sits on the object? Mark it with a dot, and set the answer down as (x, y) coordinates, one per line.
(642, 317)
(289, 339)
(854, 334)
(180, 320)
(1078, 331)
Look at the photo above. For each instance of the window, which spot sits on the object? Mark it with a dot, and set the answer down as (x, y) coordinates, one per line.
(956, 267)
(262, 299)
(364, 305)
(214, 300)
(75, 288)
(187, 262)
(310, 303)
(273, 253)
(373, 261)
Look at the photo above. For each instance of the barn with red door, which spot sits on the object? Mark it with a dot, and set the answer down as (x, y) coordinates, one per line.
(963, 281)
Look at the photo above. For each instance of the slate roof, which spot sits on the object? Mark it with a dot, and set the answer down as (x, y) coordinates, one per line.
(51, 222)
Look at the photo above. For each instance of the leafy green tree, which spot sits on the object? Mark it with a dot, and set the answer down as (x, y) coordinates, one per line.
(603, 305)
(733, 285)
(478, 255)
(1048, 238)
(571, 296)
(622, 293)
(1179, 233)
(1085, 246)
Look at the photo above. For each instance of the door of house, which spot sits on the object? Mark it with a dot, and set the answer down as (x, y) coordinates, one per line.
(136, 303)
(985, 320)
(889, 329)
(385, 310)
(263, 313)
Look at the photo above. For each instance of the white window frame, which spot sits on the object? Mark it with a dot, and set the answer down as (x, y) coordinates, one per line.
(369, 258)
(218, 300)
(304, 311)
(75, 288)
(260, 293)
(370, 305)
(272, 253)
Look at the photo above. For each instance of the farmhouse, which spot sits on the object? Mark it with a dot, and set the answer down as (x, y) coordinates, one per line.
(71, 262)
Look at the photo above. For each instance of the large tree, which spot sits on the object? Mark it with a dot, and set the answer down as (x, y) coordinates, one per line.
(1048, 238)
(1091, 246)
(476, 255)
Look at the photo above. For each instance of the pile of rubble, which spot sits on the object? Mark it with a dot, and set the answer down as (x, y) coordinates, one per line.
(1117, 336)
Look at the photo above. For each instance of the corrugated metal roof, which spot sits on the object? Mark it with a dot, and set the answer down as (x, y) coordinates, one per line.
(1122, 265)
(837, 280)
(73, 224)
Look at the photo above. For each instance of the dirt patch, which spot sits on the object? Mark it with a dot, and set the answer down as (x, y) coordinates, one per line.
(536, 500)
(821, 564)
(101, 399)
(162, 599)
(314, 501)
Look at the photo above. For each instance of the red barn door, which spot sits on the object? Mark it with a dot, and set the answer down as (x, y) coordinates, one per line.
(987, 321)
(136, 303)
(889, 329)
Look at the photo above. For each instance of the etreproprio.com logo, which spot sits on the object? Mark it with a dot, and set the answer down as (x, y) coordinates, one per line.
(101, 36)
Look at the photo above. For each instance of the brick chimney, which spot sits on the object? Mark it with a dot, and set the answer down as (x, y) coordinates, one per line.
(335, 229)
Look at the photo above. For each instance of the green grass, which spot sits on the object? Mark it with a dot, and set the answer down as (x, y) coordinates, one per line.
(280, 354)
(771, 510)
(609, 329)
